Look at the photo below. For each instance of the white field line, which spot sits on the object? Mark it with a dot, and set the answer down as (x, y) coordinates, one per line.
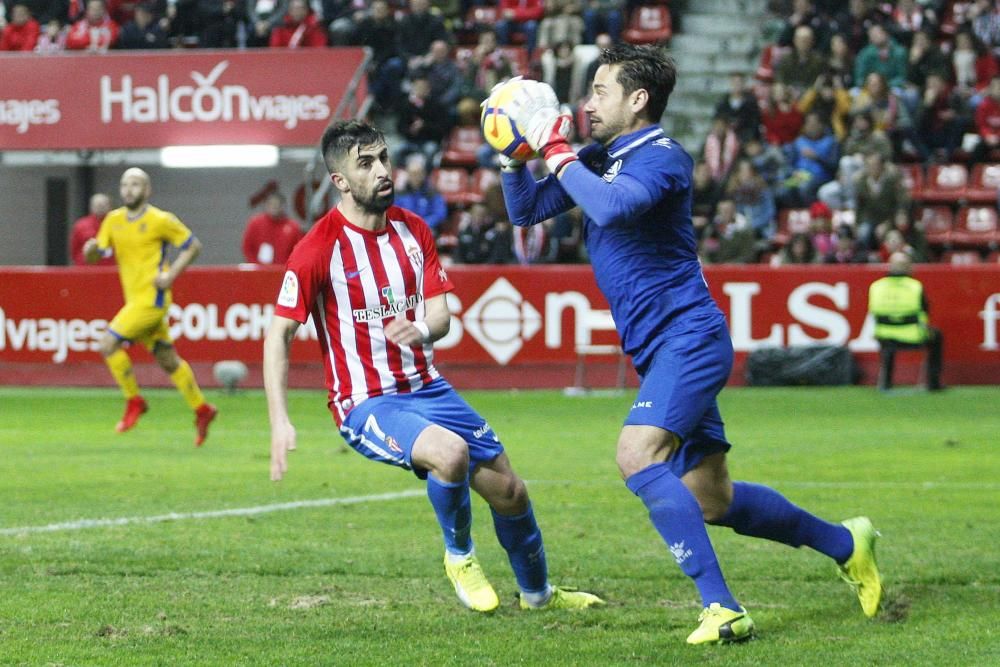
(81, 524)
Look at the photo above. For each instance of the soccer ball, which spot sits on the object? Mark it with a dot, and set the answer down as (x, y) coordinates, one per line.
(499, 129)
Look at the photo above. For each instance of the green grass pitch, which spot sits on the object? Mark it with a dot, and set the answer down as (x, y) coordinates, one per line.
(358, 580)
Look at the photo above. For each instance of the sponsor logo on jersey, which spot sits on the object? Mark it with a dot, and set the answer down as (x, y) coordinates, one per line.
(680, 552)
(390, 309)
(612, 171)
(664, 142)
(642, 404)
(289, 294)
(482, 430)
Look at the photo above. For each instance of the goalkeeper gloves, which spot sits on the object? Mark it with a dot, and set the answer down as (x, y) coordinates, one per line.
(535, 110)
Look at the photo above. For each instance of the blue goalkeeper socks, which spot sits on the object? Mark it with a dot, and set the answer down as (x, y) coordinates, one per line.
(522, 540)
(453, 507)
(677, 517)
(760, 511)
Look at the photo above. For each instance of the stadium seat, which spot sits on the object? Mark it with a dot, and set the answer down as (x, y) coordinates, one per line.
(460, 147)
(945, 183)
(913, 179)
(993, 257)
(976, 226)
(453, 184)
(961, 257)
(791, 221)
(937, 222)
(648, 24)
(984, 184)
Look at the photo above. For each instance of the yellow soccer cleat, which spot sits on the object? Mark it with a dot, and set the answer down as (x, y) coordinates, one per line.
(566, 598)
(471, 585)
(720, 625)
(860, 570)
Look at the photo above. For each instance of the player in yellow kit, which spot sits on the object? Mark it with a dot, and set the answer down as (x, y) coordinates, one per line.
(138, 234)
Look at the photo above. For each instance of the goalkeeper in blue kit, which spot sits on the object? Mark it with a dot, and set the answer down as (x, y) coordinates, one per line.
(634, 187)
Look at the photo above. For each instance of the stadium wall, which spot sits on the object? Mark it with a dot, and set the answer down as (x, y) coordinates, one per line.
(512, 326)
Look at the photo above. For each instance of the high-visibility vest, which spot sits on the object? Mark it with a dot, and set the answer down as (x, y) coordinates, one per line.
(896, 302)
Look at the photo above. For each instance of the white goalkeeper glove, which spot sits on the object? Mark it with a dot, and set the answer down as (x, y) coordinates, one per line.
(535, 109)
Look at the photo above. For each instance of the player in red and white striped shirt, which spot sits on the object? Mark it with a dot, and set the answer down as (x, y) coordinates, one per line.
(369, 275)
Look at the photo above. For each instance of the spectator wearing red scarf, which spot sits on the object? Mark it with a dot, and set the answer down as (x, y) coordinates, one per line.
(300, 29)
(95, 32)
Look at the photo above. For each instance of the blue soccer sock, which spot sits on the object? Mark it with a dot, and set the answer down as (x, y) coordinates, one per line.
(677, 517)
(453, 507)
(760, 511)
(522, 540)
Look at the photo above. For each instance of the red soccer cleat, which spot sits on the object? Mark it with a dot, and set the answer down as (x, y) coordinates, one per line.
(203, 416)
(134, 408)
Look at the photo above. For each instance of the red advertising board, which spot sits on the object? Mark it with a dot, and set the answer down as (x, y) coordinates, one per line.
(506, 319)
(149, 100)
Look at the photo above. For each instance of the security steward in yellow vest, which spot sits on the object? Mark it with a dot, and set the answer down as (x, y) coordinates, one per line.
(899, 306)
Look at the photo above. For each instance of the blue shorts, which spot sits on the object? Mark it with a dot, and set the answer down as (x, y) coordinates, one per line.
(679, 385)
(384, 428)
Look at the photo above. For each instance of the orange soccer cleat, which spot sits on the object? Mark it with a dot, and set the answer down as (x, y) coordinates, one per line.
(134, 408)
(203, 416)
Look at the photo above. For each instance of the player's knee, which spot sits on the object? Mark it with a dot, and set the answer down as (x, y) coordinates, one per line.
(450, 457)
(167, 358)
(511, 497)
(108, 345)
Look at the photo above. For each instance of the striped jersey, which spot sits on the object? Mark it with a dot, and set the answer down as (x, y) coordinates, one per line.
(353, 281)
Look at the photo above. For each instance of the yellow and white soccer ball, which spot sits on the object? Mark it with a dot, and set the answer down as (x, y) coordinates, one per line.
(499, 129)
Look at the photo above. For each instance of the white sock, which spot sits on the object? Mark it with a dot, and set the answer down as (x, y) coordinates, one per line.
(540, 598)
(454, 558)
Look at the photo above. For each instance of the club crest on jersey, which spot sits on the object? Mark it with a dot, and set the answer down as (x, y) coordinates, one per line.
(442, 275)
(289, 294)
(612, 171)
(413, 252)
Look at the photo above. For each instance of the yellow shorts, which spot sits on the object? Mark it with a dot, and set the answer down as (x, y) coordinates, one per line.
(141, 324)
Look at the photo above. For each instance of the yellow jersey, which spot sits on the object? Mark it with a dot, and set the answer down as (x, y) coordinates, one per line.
(140, 247)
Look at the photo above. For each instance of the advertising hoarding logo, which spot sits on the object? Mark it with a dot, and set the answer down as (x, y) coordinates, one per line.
(501, 320)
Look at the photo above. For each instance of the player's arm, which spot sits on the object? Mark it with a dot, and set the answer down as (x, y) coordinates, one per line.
(435, 325)
(189, 252)
(530, 202)
(277, 345)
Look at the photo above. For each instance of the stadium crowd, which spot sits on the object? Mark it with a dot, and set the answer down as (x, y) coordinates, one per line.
(868, 127)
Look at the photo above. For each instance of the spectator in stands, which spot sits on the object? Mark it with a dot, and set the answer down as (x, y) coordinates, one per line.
(941, 119)
(562, 24)
(519, 16)
(864, 137)
(52, 38)
(892, 242)
(899, 306)
(443, 74)
(223, 23)
(988, 119)
(44, 11)
(271, 235)
(740, 108)
(847, 250)
(603, 17)
(419, 196)
(753, 198)
(486, 66)
(880, 192)
(95, 32)
(884, 56)
(972, 64)
(909, 18)
(923, 58)
(21, 32)
(422, 123)
(420, 28)
(557, 70)
(821, 235)
(482, 239)
(911, 232)
(300, 29)
(805, 15)
(340, 17)
(885, 108)
(768, 160)
(986, 23)
(830, 100)
(730, 239)
(799, 69)
(721, 149)
(813, 159)
(181, 22)
(705, 193)
(781, 119)
(143, 31)
(798, 250)
(530, 244)
(86, 228)
(379, 31)
(840, 64)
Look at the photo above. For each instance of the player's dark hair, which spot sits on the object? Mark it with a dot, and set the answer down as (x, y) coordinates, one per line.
(644, 67)
(340, 137)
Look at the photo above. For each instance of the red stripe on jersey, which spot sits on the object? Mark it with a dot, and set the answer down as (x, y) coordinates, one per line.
(356, 296)
(410, 277)
(379, 272)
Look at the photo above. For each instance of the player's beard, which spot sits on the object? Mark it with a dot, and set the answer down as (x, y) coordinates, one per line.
(134, 203)
(375, 201)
